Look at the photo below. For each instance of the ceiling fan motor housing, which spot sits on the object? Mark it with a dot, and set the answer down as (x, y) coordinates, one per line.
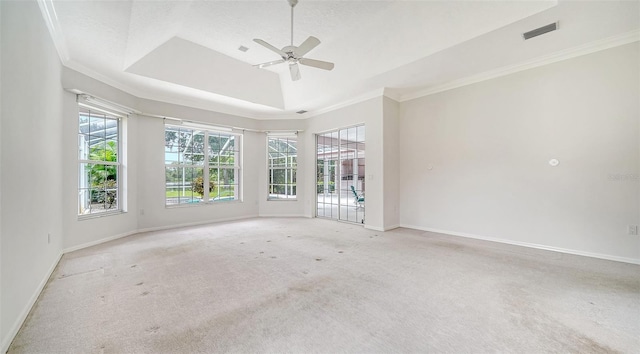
(290, 50)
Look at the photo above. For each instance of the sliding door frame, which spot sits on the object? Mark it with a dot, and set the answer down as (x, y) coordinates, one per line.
(339, 181)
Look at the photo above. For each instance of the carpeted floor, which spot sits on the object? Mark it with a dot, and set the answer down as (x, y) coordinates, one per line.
(312, 285)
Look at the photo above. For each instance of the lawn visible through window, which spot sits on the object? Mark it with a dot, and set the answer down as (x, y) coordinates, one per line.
(200, 163)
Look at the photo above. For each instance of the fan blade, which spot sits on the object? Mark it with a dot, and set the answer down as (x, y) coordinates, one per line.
(324, 65)
(307, 45)
(270, 47)
(264, 65)
(294, 69)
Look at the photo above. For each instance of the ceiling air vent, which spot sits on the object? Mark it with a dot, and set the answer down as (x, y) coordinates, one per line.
(542, 30)
(243, 48)
(301, 111)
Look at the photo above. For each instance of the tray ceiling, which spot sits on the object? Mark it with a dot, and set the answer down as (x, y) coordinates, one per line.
(187, 51)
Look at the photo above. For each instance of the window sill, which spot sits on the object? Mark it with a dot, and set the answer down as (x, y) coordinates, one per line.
(195, 205)
(282, 199)
(100, 215)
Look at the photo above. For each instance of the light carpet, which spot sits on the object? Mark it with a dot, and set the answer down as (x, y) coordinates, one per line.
(313, 285)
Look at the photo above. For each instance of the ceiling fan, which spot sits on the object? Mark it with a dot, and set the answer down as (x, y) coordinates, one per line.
(293, 55)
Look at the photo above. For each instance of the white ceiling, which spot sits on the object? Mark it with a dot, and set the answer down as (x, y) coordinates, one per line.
(186, 52)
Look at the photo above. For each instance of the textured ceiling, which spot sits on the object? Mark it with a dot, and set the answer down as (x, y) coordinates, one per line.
(186, 52)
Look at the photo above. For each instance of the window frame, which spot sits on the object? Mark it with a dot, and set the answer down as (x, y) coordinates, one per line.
(207, 165)
(119, 164)
(287, 167)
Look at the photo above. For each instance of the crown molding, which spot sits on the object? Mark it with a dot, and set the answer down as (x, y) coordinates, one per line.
(141, 94)
(596, 46)
(357, 99)
(51, 20)
(392, 94)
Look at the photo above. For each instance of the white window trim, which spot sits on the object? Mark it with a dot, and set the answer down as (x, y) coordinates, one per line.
(120, 165)
(281, 135)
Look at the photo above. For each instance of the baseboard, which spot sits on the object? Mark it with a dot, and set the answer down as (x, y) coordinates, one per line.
(159, 228)
(282, 216)
(527, 244)
(197, 223)
(374, 228)
(383, 229)
(97, 242)
(6, 342)
(395, 226)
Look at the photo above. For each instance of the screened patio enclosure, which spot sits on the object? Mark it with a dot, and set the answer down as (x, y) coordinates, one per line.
(283, 164)
(340, 174)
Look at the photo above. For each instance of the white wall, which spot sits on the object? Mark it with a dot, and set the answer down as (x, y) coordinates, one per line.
(488, 146)
(1, 115)
(151, 176)
(152, 183)
(391, 155)
(31, 159)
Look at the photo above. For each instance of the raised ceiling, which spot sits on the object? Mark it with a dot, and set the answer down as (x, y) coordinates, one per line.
(186, 52)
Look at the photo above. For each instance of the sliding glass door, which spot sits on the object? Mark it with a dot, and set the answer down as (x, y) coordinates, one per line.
(340, 171)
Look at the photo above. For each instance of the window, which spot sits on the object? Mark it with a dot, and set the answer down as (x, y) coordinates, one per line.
(100, 165)
(201, 162)
(282, 156)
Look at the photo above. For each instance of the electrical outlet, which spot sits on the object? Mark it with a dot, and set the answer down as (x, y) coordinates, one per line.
(633, 229)
(48, 238)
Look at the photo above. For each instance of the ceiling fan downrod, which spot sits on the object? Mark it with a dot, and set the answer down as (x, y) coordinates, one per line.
(293, 3)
